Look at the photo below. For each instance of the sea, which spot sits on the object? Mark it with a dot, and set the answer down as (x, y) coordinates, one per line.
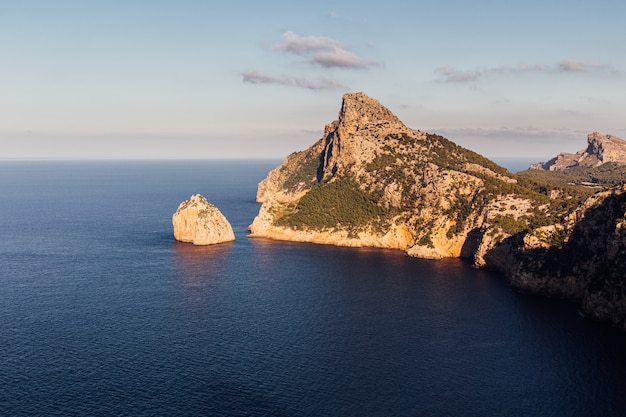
(103, 313)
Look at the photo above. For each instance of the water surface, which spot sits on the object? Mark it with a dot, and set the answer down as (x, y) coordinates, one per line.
(103, 313)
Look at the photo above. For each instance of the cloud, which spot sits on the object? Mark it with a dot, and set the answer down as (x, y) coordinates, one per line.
(326, 52)
(536, 143)
(254, 77)
(320, 51)
(452, 74)
(324, 83)
(340, 58)
(529, 133)
(531, 67)
(579, 66)
(298, 45)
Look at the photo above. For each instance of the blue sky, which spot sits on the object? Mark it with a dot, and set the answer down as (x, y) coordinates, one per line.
(205, 79)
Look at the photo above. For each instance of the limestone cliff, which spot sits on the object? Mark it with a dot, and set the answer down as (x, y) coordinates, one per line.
(201, 223)
(372, 181)
(600, 149)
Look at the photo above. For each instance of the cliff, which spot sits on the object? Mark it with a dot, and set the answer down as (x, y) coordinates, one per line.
(201, 223)
(600, 149)
(589, 267)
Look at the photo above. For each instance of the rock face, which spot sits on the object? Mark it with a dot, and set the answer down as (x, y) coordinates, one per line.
(590, 267)
(372, 181)
(201, 223)
(600, 150)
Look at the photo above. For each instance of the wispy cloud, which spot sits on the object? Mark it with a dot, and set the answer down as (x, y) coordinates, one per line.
(452, 74)
(340, 58)
(579, 66)
(530, 132)
(320, 52)
(541, 143)
(296, 44)
(324, 51)
(323, 83)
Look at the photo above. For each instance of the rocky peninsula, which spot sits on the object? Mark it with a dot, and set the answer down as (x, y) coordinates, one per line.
(372, 181)
(201, 223)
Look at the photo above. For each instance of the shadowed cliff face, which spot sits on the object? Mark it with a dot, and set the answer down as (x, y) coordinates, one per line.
(590, 267)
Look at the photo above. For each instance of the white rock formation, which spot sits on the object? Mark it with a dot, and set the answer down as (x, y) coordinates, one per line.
(201, 223)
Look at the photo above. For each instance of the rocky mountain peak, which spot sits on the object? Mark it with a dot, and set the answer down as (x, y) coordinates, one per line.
(345, 138)
(601, 149)
(358, 109)
(607, 148)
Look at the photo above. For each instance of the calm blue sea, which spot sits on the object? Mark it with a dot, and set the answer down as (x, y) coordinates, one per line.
(103, 313)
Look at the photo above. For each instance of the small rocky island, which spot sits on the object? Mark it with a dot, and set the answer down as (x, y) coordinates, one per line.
(201, 223)
(372, 181)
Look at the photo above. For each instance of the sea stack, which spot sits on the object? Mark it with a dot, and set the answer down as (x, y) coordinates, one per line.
(201, 223)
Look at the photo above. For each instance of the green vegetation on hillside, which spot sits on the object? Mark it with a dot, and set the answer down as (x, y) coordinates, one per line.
(510, 224)
(338, 204)
(448, 154)
(557, 198)
(606, 174)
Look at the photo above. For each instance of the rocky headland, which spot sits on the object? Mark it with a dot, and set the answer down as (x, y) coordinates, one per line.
(372, 181)
(201, 223)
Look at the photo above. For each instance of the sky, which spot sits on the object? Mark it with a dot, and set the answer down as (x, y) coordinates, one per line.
(249, 79)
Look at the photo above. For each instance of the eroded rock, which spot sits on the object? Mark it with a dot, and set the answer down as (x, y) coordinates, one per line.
(201, 223)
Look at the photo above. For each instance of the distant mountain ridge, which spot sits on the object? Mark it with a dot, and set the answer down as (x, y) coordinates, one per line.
(601, 149)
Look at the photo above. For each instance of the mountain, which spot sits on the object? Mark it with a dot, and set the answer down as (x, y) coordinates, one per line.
(372, 181)
(600, 150)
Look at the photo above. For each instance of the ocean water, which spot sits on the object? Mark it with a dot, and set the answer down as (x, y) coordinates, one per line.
(515, 165)
(103, 313)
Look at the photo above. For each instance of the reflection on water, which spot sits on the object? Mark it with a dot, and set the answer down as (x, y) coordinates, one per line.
(198, 264)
